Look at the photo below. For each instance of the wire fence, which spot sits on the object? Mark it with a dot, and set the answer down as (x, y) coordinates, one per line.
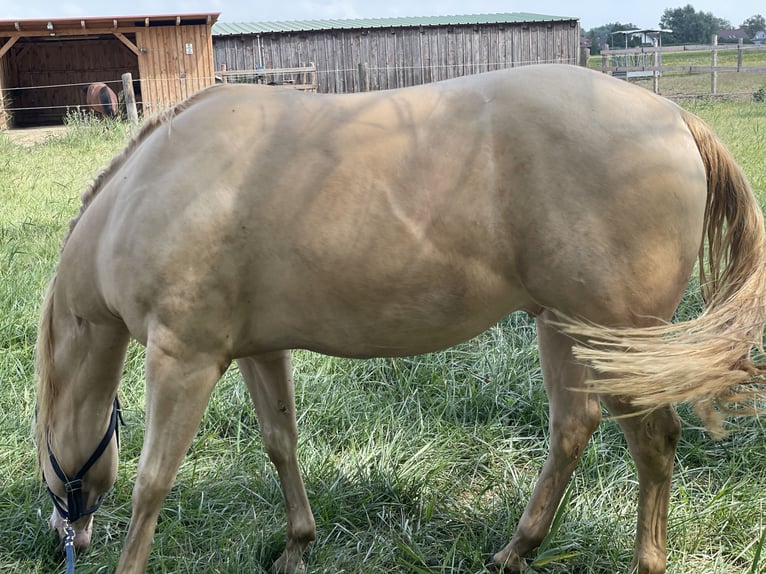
(677, 81)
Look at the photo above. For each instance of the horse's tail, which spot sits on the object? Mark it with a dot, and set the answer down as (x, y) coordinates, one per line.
(707, 360)
(108, 100)
(43, 369)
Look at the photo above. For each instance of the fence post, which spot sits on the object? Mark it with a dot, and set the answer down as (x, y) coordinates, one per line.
(605, 59)
(224, 77)
(740, 46)
(312, 77)
(364, 77)
(584, 56)
(714, 65)
(655, 65)
(130, 98)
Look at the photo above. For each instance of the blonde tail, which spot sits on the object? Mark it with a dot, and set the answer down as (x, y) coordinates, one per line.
(706, 361)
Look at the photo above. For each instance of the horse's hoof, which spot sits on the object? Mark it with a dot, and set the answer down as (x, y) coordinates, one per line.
(512, 564)
(288, 565)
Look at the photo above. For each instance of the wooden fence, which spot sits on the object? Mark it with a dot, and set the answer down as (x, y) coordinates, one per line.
(302, 78)
(647, 61)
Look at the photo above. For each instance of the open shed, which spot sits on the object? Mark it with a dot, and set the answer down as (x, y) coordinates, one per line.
(44, 63)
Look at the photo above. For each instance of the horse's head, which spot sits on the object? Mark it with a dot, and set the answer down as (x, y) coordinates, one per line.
(77, 491)
(77, 419)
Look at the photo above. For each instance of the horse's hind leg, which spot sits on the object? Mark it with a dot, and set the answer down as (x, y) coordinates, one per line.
(652, 440)
(573, 418)
(269, 380)
(178, 387)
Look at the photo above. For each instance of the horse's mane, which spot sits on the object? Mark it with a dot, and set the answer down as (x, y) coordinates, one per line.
(46, 388)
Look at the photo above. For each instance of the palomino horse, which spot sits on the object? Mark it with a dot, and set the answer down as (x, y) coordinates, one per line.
(251, 221)
(101, 99)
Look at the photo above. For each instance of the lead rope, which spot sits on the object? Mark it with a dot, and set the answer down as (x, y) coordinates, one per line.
(69, 546)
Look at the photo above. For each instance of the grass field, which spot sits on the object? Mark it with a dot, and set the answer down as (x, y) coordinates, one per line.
(419, 465)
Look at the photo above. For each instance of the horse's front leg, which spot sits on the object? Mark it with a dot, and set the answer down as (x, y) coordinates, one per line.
(269, 380)
(178, 388)
(574, 415)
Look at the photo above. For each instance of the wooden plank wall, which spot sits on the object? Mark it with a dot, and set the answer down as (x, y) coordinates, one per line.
(44, 78)
(399, 57)
(168, 74)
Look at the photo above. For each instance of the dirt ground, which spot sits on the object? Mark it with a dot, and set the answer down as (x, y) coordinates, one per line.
(31, 136)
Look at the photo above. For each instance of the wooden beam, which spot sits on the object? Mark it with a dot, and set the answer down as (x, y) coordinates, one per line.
(69, 32)
(7, 46)
(131, 46)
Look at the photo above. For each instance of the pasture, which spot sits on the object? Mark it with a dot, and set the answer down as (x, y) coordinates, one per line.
(678, 83)
(412, 465)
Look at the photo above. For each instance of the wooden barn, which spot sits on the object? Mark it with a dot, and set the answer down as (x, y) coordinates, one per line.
(380, 53)
(45, 63)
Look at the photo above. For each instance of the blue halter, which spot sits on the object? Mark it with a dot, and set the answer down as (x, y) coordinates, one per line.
(75, 505)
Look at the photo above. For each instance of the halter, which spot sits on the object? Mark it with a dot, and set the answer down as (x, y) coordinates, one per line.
(75, 505)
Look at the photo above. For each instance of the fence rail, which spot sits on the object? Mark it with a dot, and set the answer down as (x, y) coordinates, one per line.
(301, 78)
(647, 61)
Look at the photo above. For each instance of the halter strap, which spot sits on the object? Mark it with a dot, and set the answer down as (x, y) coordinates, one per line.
(75, 508)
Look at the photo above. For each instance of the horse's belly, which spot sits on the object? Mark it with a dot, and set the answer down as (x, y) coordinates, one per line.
(422, 322)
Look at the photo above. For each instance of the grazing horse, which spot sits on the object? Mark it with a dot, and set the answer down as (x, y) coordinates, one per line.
(101, 99)
(247, 222)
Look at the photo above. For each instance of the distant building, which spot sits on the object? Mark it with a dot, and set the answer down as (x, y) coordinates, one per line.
(734, 35)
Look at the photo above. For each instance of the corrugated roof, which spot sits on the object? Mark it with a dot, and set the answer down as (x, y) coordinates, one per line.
(240, 28)
(51, 26)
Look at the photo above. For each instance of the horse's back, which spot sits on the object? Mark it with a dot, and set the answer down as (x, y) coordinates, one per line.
(402, 221)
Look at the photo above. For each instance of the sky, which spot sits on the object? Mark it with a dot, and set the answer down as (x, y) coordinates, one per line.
(592, 13)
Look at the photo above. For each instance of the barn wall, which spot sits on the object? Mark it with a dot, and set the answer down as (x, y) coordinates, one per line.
(398, 57)
(62, 67)
(4, 82)
(168, 74)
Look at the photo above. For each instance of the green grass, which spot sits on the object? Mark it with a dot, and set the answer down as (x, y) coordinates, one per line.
(412, 465)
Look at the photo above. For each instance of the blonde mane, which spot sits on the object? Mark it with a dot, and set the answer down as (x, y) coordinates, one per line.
(46, 387)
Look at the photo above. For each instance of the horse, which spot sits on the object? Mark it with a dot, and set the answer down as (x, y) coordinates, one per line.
(247, 222)
(101, 99)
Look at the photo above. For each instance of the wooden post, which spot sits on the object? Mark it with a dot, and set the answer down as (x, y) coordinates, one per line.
(740, 46)
(364, 77)
(714, 65)
(656, 66)
(312, 79)
(224, 77)
(584, 56)
(605, 59)
(130, 98)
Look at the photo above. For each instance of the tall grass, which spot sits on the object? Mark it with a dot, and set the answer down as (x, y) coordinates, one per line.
(412, 465)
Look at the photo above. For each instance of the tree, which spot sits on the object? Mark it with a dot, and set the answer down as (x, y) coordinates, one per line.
(690, 26)
(753, 25)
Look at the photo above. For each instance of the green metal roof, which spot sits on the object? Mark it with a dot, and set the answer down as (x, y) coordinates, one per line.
(241, 28)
